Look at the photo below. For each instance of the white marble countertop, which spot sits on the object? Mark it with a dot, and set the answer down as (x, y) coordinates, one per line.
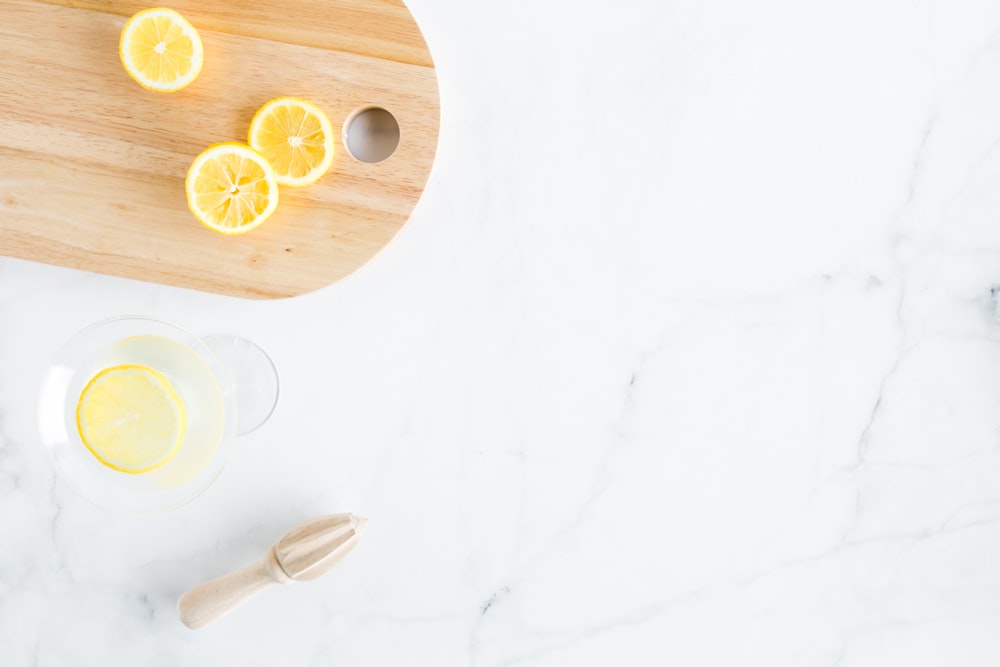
(690, 355)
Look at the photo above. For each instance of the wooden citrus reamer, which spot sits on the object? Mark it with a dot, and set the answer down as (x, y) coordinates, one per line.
(306, 552)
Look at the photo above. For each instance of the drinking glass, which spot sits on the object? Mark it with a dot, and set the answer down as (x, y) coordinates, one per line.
(227, 384)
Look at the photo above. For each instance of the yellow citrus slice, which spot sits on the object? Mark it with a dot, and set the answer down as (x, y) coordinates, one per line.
(131, 418)
(161, 50)
(297, 139)
(231, 188)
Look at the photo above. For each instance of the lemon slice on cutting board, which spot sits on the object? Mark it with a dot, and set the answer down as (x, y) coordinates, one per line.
(161, 50)
(231, 188)
(131, 418)
(296, 137)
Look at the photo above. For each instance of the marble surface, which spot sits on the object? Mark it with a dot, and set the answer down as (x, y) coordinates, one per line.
(689, 355)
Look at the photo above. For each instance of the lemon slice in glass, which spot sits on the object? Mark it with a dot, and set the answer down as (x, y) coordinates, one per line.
(296, 137)
(231, 188)
(131, 418)
(161, 50)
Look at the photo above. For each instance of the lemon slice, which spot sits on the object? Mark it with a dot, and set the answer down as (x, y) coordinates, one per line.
(131, 418)
(161, 50)
(297, 139)
(231, 188)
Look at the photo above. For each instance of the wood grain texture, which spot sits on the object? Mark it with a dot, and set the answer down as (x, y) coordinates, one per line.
(92, 166)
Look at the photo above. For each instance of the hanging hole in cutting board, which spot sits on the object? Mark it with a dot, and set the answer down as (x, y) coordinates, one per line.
(371, 134)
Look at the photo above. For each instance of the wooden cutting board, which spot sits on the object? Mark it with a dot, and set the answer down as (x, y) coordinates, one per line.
(92, 166)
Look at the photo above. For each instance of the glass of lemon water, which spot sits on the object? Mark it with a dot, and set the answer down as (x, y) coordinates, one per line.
(139, 415)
